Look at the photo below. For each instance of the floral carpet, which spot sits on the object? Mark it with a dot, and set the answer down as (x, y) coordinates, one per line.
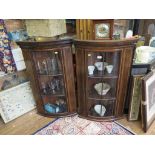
(78, 126)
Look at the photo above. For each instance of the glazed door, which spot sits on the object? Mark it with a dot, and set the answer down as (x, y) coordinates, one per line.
(50, 78)
(102, 75)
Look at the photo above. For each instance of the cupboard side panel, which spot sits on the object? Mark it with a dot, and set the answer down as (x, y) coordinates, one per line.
(126, 61)
(81, 83)
(69, 78)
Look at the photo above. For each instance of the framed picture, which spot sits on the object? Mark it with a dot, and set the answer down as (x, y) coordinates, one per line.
(12, 106)
(103, 29)
(148, 100)
(135, 98)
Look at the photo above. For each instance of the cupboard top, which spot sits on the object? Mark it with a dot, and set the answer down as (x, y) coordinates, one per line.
(81, 43)
(44, 44)
(105, 43)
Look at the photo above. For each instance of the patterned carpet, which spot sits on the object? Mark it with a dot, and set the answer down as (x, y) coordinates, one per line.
(78, 126)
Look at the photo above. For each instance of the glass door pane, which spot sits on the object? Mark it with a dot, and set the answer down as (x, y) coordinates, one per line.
(51, 81)
(103, 69)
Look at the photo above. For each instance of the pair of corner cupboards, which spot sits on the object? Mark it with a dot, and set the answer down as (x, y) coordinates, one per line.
(98, 89)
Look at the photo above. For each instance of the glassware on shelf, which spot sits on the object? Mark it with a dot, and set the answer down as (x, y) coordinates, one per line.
(90, 59)
(49, 64)
(44, 64)
(42, 67)
(105, 64)
(44, 88)
(52, 86)
(99, 62)
(62, 86)
(51, 108)
(102, 88)
(62, 105)
(109, 68)
(100, 109)
(58, 62)
(39, 67)
(91, 67)
(101, 65)
(57, 84)
(57, 106)
(54, 64)
(91, 70)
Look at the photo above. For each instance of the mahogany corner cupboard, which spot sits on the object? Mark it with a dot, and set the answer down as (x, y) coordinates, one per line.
(102, 73)
(103, 69)
(50, 68)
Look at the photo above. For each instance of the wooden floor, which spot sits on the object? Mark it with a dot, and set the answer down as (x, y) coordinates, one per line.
(31, 122)
(24, 125)
(136, 127)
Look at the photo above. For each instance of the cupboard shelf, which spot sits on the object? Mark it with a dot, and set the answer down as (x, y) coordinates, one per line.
(110, 95)
(104, 76)
(102, 99)
(57, 94)
(50, 75)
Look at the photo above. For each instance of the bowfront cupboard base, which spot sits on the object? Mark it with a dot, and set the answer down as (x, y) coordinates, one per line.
(99, 119)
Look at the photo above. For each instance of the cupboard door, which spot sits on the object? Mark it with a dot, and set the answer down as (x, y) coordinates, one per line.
(50, 77)
(102, 75)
